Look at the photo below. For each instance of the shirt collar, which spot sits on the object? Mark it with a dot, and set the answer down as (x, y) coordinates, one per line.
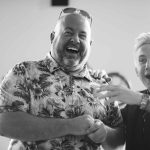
(54, 66)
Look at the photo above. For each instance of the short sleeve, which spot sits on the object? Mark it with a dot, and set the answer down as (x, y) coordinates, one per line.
(14, 93)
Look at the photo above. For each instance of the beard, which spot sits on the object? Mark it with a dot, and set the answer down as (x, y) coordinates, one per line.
(71, 60)
(70, 64)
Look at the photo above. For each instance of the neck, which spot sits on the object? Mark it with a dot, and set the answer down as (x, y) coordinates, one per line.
(72, 71)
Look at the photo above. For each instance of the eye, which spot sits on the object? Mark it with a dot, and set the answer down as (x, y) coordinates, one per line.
(83, 36)
(142, 60)
(68, 33)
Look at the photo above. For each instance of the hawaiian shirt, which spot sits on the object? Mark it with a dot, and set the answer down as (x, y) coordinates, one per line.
(43, 89)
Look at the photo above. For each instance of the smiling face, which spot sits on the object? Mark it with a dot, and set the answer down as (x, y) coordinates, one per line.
(142, 64)
(71, 42)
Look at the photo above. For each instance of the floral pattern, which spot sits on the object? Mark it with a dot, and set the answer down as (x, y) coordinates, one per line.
(43, 89)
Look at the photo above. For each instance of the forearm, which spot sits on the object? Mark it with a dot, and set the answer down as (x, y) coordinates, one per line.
(115, 138)
(26, 127)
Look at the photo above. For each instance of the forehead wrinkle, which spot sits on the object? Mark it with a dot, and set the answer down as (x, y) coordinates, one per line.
(61, 23)
(65, 17)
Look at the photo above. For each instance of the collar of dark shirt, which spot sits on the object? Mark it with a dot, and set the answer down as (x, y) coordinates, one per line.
(54, 67)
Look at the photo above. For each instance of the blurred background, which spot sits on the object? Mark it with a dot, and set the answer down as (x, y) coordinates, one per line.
(25, 27)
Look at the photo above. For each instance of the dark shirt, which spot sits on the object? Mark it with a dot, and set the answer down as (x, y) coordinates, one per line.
(137, 127)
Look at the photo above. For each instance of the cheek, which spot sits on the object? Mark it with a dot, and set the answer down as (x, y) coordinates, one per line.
(58, 46)
(59, 41)
(141, 74)
(86, 53)
(141, 71)
(87, 48)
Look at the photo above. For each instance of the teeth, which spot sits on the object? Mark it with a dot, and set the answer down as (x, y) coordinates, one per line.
(72, 48)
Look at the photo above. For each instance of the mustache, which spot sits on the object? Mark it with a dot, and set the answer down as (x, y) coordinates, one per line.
(79, 46)
(73, 43)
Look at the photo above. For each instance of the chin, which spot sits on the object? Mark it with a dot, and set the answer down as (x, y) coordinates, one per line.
(74, 68)
(71, 63)
(71, 68)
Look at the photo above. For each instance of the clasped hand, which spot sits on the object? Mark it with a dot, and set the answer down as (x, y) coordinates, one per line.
(87, 125)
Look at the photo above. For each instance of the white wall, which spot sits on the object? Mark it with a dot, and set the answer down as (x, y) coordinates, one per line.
(25, 26)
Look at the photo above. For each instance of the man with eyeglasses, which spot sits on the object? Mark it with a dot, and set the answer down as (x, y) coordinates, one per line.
(52, 103)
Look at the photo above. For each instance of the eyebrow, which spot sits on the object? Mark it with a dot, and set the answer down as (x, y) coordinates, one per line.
(69, 28)
(142, 55)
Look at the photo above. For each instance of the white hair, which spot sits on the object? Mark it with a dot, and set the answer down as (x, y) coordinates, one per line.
(143, 38)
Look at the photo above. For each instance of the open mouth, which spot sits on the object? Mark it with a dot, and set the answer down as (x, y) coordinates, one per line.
(73, 50)
(147, 76)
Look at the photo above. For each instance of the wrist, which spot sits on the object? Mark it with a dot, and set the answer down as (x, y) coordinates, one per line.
(144, 102)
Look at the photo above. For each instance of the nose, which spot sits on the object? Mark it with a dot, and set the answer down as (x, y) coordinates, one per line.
(75, 39)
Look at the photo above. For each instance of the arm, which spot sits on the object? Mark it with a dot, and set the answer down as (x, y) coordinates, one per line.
(120, 93)
(107, 136)
(114, 138)
(26, 127)
(126, 96)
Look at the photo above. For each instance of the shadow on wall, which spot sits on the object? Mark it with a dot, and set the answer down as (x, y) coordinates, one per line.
(119, 79)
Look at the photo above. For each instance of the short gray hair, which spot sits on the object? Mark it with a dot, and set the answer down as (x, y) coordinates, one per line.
(143, 38)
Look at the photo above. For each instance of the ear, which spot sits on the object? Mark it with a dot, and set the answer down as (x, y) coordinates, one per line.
(52, 36)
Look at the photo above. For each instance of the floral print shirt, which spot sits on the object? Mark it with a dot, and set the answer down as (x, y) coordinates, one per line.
(43, 89)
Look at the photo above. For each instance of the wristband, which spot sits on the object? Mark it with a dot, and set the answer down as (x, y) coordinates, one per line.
(144, 101)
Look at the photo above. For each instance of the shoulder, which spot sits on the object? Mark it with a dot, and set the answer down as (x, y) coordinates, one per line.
(26, 66)
(99, 76)
(21, 70)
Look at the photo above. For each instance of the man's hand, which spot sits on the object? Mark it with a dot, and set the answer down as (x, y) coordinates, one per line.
(120, 93)
(82, 125)
(100, 134)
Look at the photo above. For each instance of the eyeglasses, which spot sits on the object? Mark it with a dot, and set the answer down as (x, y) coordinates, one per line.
(77, 11)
